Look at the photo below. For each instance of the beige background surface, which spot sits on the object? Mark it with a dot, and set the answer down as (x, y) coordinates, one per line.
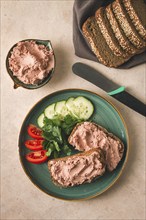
(20, 198)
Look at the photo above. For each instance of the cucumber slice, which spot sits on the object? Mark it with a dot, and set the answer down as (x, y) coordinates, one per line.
(83, 108)
(71, 105)
(40, 120)
(50, 111)
(61, 108)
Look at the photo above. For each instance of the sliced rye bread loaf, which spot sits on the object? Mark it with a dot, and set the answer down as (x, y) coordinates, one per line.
(94, 37)
(118, 32)
(59, 180)
(108, 33)
(137, 13)
(126, 24)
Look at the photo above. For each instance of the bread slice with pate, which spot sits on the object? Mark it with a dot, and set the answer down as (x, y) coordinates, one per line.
(77, 169)
(88, 135)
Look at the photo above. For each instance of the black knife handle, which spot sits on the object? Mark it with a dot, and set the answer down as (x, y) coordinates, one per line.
(131, 102)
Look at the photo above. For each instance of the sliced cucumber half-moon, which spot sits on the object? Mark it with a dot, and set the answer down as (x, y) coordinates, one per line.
(70, 105)
(40, 120)
(61, 108)
(50, 111)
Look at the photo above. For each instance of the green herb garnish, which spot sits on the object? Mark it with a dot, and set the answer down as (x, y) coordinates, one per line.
(56, 132)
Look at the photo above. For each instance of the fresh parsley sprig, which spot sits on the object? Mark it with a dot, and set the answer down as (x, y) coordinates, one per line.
(56, 132)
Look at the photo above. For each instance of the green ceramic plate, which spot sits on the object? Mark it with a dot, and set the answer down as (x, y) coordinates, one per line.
(106, 115)
(17, 82)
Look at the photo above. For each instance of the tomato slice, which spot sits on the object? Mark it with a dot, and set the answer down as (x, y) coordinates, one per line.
(34, 132)
(34, 144)
(37, 157)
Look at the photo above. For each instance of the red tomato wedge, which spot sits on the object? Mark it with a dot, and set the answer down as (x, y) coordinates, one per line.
(34, 144)
(34, 132)
(37, 157)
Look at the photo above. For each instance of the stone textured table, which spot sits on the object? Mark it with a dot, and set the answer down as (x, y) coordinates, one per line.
(20, 198)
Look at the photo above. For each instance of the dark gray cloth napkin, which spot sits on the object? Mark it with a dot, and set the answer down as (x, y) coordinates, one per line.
(82, 9)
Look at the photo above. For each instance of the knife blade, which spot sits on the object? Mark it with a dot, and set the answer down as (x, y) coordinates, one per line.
(113, 89)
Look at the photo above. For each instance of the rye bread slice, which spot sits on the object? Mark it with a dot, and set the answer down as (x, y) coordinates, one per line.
(100, 157)
(110, 164)
(137, 13)
(126, 24)
(94, 37)
(108, 33)
(119, 33)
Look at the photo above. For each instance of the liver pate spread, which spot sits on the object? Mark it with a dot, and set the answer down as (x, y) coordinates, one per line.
(88, 135)
(31, 62)
(77, 169)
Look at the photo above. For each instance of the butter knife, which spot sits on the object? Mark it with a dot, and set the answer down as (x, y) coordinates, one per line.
(113, 89)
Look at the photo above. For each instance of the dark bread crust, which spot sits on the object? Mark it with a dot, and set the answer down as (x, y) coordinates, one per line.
(126, 24)
(119, 34)
(108, 33)
(91, 41)
(101, 158)
(137, 13)
(94, 37)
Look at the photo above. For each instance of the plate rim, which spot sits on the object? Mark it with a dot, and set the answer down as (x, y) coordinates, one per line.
(126, 156)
